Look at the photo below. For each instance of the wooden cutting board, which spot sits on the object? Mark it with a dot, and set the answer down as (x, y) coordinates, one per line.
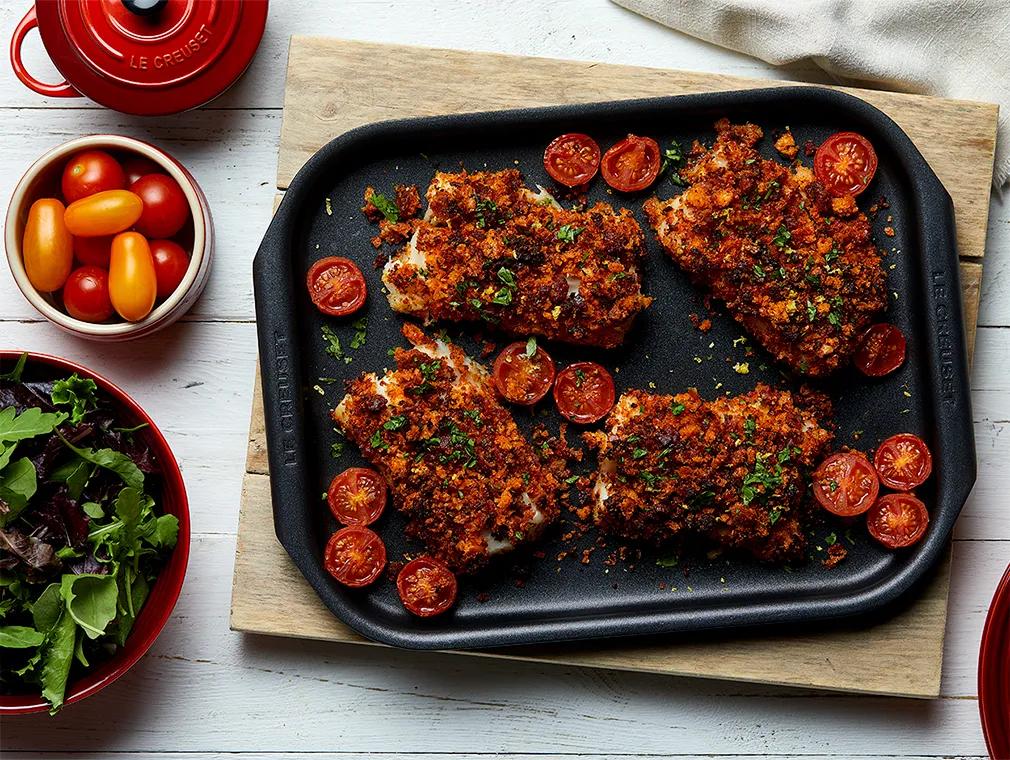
(332, 86)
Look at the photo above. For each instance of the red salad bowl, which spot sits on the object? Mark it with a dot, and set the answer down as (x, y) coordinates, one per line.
(159, 604)
(994, 673)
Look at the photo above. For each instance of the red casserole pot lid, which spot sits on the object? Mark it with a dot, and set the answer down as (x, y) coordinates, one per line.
(994, 673)
(151, 57)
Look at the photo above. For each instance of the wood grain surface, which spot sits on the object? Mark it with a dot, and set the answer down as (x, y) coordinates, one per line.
(329, 91)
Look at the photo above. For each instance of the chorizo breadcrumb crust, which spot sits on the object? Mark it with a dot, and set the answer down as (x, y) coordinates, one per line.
(457, 465)
(491, 249)
(795, 266)
(732, 470)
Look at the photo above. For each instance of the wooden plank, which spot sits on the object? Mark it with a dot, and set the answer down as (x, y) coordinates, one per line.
(332, 86)
(319, 106)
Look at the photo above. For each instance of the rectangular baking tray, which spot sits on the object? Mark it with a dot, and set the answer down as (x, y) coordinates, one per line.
(525, 599)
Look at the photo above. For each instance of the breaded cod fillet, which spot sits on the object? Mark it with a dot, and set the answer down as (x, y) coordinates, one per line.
(732, 470)
(491, 249)
(457, 465)
(794, 266)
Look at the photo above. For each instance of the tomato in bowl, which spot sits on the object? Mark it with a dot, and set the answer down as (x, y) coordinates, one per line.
(88, 196)
(171, 500)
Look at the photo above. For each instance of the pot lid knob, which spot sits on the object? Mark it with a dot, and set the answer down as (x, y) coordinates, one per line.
(144, 7)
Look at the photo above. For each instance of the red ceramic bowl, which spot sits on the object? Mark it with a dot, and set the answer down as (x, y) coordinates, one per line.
(161, 601)
(994, 673)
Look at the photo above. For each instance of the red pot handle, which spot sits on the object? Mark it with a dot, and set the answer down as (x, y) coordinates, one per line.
(62, 90)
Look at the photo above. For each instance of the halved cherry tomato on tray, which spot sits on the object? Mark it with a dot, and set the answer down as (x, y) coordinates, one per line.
(523, 373)
(897, 520)
(104, 213)
(86, 294)
(632, 164)
(903, 462)
(133, 284)
(357, 496)
(90, 172)
(584, 392)
(572, 159)
(426, 586)
(336, 286)
(93, 250)
(881, 350)
(170, 265)
(46, 246)
(846, 484)
(845, 163)
(165, 206)
(355, 556)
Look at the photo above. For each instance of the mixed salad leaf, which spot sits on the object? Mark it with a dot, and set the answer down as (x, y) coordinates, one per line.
(81, 538)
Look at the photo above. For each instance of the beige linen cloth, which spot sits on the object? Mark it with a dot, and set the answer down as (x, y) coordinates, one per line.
(952, 48)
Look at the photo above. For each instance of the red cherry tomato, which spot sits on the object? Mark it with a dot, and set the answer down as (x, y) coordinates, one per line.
(632, 164)
(165, 206)
(336, 286)
(355, 556)
(845, 163)
(137, 166)
(584, 392)
(572, 159)
(170, 265)
(903, 462)
(427, 587)
(104, 213)
(846, 484)
(897, 520)
(90, 172)
(881, 350)
(522, 377)
(86, 294)
(357, 496)
(93, 250)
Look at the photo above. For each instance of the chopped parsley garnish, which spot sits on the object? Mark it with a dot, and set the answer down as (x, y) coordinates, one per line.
(507, 276)
(337, 449)
(359, 333)
(486, 212)
(571, 481)
(386, 207)
(834, 319)
(759, 271)
(831, 539)
(567, 233)
(811, 311)
(502, 297)
(767, 479)
(395, 423)
(667, 562)
(782, 236)
(638, 453)
(377, 441)
(774, 514)
(429, 371)
(676, 408)
(333, 347)
(831, 255)
(474, 415)
(580, 378)
(749, 426)
(673, 158)
(531, 347)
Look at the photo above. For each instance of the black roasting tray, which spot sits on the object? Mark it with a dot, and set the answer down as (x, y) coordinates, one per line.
(527, 600)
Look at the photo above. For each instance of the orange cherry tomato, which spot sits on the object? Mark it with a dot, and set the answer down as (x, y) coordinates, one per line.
(355, 556)
(845, 163)
(584, 392)
(897, 520)
(46, 246)
(520, 377)
(93, 250)
(104, 213)
(632, 164)
(336, 286)
(846, 484)
(357, 496)
(903, 462)
(133, 284)
(426, 586)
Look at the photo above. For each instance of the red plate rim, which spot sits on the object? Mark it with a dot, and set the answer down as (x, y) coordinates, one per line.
(994, 672)
(166, 589)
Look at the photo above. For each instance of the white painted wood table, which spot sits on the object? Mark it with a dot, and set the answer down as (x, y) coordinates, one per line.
(205, 692)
